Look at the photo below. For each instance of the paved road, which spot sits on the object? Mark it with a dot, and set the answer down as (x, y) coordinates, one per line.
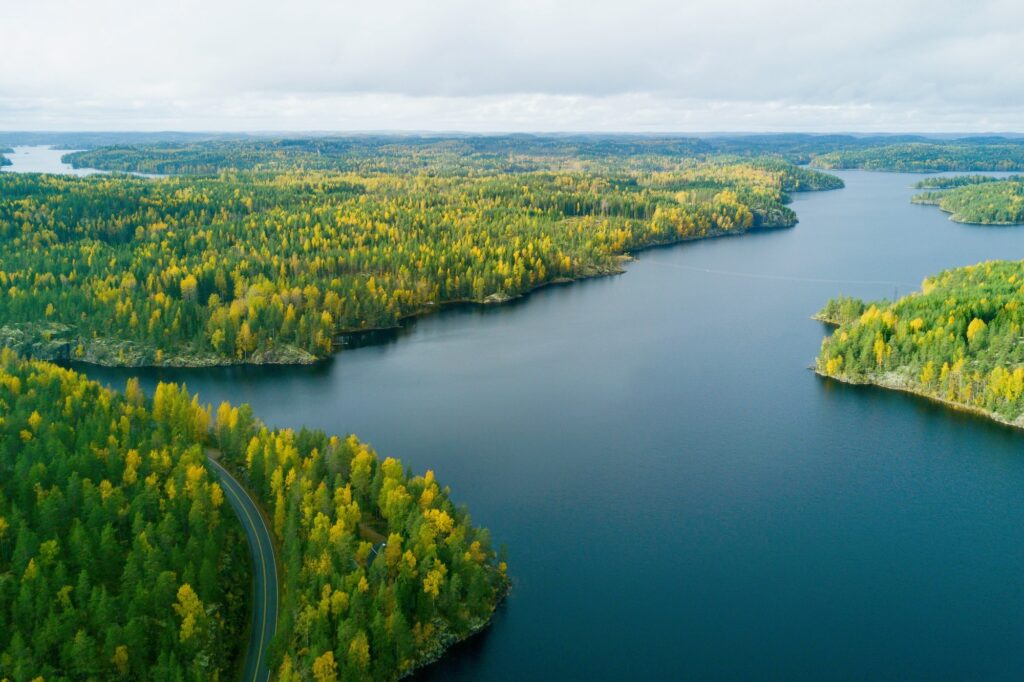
(264, 573)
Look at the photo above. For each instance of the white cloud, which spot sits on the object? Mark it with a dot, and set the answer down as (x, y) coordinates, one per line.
(530, 65)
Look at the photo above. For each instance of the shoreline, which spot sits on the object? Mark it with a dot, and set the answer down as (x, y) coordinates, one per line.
(447, 644)
(492, 300)
(945, 402)
(443, 644)
(953, 216)
(929, 171)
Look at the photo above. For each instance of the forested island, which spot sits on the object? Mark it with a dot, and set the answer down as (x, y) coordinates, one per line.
(957, 341)
(270, 266)
(118, 559)
(977, 200)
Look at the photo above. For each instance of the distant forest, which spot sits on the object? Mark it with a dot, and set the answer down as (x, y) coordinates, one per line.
(514, 153)
(976, 199)
(927, 157)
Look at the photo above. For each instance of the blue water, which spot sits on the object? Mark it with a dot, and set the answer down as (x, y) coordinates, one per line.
(680, 496)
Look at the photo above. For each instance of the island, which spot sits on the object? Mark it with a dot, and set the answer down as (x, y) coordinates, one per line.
(957, 341)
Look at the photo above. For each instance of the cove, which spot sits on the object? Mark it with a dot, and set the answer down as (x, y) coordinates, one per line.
(680, 496)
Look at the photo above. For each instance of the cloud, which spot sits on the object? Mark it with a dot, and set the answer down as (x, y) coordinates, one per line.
(529, 65)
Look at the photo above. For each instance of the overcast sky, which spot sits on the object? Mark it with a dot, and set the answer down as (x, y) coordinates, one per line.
(490, 65)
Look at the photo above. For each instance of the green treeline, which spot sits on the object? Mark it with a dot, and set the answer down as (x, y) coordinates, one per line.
(399, 154)
(949, 182)
(958, 340)
(840, 310)
(921, 157)
(271, 267)
(118, 558)
(381, 572)
(459, 155)
(991, 201)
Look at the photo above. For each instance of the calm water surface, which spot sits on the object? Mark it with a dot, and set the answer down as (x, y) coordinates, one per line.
(42, 159)
(46, 159)
(680, 496)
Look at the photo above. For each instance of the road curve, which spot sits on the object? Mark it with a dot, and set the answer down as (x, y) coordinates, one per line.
(264, 574)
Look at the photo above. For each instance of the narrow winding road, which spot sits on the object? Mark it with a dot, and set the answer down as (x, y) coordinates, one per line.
(264, 574)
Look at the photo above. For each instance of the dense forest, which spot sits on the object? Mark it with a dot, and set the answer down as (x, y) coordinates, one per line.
(401, 154)
(265, 267)
(459, 156)
(381, 572)
(952, 181)
(958, 340)
(921, 157)
(519, 153)
(982, 202)
(118, 557)
(4, 161)
(120, 560)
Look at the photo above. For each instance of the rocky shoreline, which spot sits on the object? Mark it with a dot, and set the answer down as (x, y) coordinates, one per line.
(897, 382)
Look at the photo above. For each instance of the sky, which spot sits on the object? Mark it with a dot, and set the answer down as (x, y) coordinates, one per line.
(497, 66)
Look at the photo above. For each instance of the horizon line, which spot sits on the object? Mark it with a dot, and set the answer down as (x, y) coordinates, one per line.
(539, 133)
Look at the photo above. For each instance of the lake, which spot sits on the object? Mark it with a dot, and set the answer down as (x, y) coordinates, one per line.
(681, 497)
(46, 159)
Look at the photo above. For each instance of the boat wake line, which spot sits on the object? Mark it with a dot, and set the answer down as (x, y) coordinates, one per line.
(786, 278)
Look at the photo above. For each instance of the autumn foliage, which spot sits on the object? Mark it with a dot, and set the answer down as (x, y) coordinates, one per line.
(118, 558)
(272, 267)
(381, 572)
(958, 340)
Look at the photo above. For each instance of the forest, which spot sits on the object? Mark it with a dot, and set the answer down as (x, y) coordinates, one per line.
(381, 572)
(270, 267)
(952, 181)
(958, 340)
(208, 155)
(400, 154)
(972, 154)
(211, 153)
(454, 155)
(991, 201)
(119, 559)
